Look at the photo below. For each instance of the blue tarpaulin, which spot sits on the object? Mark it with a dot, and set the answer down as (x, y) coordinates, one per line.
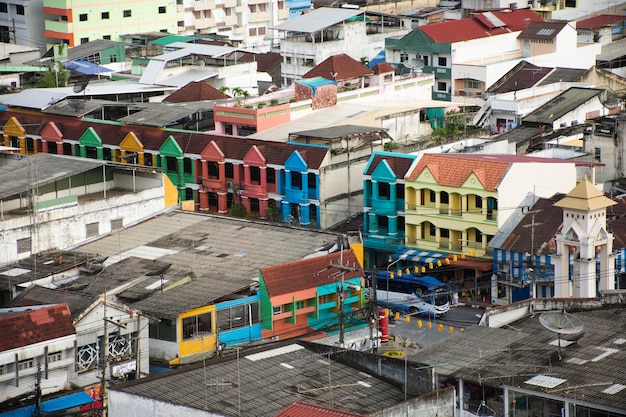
(85, 67)
(53, 406)
(380, 57)
(316, 82)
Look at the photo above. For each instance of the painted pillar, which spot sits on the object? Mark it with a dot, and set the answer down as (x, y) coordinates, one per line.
(392, 231)
(305, 217)
(263, 175)
(222, 195)
(305, 187)
(44, 146)
(204, 199)
(59, 148)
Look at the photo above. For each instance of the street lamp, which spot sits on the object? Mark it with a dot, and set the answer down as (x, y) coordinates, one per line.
(388, 278)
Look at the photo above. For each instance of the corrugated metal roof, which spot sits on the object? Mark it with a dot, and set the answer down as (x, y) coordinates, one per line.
(34, 98)
(205, 256)
(318, 19)
(265, 387)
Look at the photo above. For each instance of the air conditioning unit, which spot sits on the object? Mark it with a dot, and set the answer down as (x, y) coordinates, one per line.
(504, 267)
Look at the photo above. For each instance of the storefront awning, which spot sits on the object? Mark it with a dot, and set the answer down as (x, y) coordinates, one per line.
(416, 255)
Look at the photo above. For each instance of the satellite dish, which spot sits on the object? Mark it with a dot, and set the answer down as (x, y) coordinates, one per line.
(81, 84)
(561, 322)
(77, 104)
(415, 65)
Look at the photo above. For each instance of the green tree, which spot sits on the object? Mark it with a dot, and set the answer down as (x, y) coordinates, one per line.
(272, 214)
(238, 210)
(52, 78)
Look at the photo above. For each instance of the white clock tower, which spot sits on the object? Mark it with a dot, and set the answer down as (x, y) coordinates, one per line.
(584, 245)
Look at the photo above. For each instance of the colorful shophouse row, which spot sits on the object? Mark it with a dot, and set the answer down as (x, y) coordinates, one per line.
(302, 297)
(213, 171)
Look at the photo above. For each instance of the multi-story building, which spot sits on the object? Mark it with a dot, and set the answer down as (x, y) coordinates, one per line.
(467, 56)
(37, 350)
(76, 21)
(456, 203)
(21, 22)
(383, 205)
(311, 294)
(311, 38)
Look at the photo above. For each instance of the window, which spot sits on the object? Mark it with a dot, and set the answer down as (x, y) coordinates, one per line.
(187, 166)
(54, 357)
(2, 370)
(4, 8)
(288, 60)
(23, 245)
(444, 198)
(444, 233)
(471, 84)
(117, 224)
(598, 154)
(384, 190)
(108, 38)
(104, 15)
(19, 9)
(299, 305)
(197, 326)
(442, 61)
(441, 86)
(270, 176)
(238, 316)
(277, 310)
(27, 364)
(296, 180)
(433, 196)
(127, 13)
(84, 40)
(82, 17)
(229, 170)
(92, 229)
(255, 175)
(171, 164)
(161, 9)
(478, 201)
(425, 59)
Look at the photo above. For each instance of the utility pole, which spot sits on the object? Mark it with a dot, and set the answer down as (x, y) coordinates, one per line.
(531, 260)
(105, 361)
(343, 269)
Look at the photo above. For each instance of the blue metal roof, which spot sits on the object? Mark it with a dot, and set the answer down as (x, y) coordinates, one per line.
(85, 67)
(52, 406)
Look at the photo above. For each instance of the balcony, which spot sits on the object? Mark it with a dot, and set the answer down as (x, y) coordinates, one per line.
(55, 26)
(443, 73)
(382, 205)
(58, 4)
(441, 96)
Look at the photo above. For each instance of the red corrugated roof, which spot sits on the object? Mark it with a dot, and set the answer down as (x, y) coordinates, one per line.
(599, 21)
(309, 273)
(453, 170)
(233, 147)
(472, 28)
(383, 68)
(344, 66)
(39, 325)
(195, 91)
(302, 409)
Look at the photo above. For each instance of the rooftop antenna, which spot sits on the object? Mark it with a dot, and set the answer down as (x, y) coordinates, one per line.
(561, 322)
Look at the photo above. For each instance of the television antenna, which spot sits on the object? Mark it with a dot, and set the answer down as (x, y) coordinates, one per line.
(561, 322)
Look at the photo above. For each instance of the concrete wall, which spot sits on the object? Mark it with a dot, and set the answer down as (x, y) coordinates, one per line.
(435, 404)
(66, 227)
(524, 178)
(122, 404)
